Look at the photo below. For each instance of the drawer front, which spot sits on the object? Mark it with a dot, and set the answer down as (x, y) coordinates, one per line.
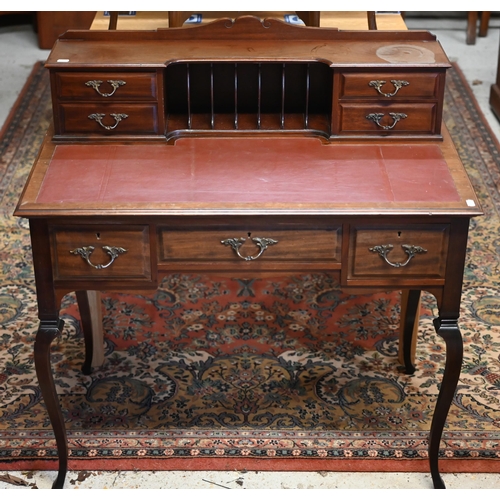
(391, 119)
(95, 252)
(416, 251)
(106, 86)
(396, 86)
(314, 247)
(109, 119)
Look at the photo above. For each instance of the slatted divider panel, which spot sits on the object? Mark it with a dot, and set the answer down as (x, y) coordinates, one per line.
(245, 96)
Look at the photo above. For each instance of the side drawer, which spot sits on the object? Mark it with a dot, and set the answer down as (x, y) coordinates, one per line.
(416, 251)
(101, 252)
(109, 119)
(391, 85)
(406, 117)
(238, 248)
(106, 86)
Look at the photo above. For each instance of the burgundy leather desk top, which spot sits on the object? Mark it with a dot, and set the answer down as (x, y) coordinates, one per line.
(245, 171)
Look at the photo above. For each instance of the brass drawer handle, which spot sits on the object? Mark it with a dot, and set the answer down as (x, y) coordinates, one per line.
(377, 117)
(377, 84)
(95, 84)
(411, 250)
(99, 116)
(86, 252)
(236, 243)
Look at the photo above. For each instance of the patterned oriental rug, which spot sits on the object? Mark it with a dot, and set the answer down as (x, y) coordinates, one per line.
(284, 373)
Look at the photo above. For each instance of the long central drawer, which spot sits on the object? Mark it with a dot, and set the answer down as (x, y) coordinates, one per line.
(249, 248)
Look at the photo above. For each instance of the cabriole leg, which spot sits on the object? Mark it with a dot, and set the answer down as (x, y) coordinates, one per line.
(47, 331)
(410, 308)
(449, 331)
(89, 304)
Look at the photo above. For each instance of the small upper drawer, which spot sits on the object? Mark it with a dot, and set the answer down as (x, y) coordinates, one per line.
(106, 86)
(108, 118)
(417, 251)
(394, 118)
(392, 85)
(95, 252)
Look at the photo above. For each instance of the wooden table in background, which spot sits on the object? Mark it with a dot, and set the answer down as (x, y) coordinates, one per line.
(495, 91)
(328, 19)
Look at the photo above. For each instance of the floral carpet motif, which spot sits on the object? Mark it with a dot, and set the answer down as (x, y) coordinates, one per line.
(288, 367)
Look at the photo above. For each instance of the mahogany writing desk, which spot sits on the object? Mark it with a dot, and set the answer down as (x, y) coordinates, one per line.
(190, 184)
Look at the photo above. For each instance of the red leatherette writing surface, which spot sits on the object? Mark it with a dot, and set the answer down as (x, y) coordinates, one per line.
(247, 170)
